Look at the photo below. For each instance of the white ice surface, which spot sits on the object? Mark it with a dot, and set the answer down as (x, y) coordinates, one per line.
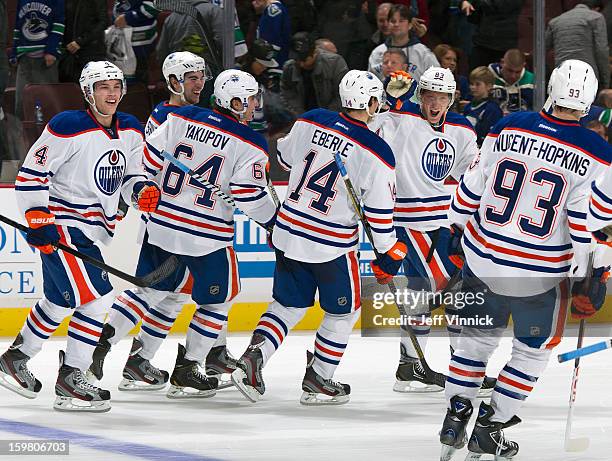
(376, 424)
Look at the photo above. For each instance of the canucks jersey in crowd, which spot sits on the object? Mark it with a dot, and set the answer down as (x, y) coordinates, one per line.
(482, 115)
(514, 97)
(39, 28)
(275, 27)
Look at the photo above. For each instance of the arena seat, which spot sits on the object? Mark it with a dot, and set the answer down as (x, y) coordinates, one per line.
(137, 102)
(54, 98)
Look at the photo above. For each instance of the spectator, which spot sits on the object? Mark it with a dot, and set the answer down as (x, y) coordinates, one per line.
(420, 58)
(274, 26)
(326, 45)
(581, 33)
(86, 21)
(447, 57)
(482, 111)
(513, 88)
(312, 79)
(394, 60)
(37, 39)
(599, 128)
(141, 16)
(497, 28)
(382, 23)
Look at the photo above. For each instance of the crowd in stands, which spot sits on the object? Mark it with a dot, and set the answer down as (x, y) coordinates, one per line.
(298, 50)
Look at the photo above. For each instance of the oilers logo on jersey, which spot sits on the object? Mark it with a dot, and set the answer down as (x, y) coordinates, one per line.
(438, 159)
(108, 172)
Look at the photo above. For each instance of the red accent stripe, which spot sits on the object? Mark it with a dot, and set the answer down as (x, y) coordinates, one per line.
(558, 122)
(134, 307)
(563, 305)
(415, 209)
(74, 270)
(316, 229)
(380, 220)
(464, 203)
(234, 273)
(194, 222)
(150, 321)
(207, 323)
(436, 271)
(522, 254)
(188, 287)
(39, 324)
(151, 160)
(469, 374)
(271, 326)
(354, 267)
(78, 326)
(578, 227)
(599, 206)
(88, 214)
(244, 191)
(328, 351)
(22, 179)
(514, 383)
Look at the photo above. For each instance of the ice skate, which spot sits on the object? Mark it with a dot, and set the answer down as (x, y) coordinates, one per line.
(220, 364)
(453, 435)
(74, 393)
(410, 376)
(321, 391)
(247, 376)
(14, 373)
(187, 381)
(488, 437)
(139, 374)
(95, 371)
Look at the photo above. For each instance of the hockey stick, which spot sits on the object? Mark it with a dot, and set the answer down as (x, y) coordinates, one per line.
(579, 443)
(434, 377)
(159, 274)
(190, 9)
(586, 350)
(202, 181)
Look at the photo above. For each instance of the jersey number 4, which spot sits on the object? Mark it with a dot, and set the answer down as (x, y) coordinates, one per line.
(322, 182)
(175, 178)
(510, 179)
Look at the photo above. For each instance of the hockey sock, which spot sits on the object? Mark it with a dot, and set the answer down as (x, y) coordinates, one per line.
(84, 331)
(222, 339)
(43, 320)
(275, 324)
(421, 330)
(468, 363)
(157, 322)
(129, 308)
(331, 340)
(452, 327)
(517, 379)
(206, 324)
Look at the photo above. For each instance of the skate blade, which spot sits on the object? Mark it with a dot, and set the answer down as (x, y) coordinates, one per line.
(415, 387)
(312, 399)
(130, 385)
(447, 452)
(223, 381)
(471, 456)
(11, 384)
(177, 392)
(69, 404)
(577, 444)
(238, 377)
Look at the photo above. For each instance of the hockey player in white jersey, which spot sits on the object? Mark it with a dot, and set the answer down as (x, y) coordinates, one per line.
(68, 189)
(523, 207)
(199, 227)
(316, 237)
(185, 74)
(430, 145)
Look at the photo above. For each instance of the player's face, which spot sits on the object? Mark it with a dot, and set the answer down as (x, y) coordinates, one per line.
(107, 95)
(399, 26)
(392, 63)
(193, 84)
(511, 73)
(434, 105)
(449, 61)
(480, 90)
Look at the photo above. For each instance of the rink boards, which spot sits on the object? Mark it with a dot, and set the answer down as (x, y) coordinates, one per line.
(21, 280)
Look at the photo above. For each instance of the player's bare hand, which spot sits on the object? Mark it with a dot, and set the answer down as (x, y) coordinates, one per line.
(73, 47)
(120, 21)
(49, 59)
(467, 8)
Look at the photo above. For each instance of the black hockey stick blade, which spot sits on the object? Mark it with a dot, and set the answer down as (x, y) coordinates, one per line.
(159, 274)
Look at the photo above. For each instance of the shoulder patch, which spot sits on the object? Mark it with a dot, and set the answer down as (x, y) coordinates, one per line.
(273, 10)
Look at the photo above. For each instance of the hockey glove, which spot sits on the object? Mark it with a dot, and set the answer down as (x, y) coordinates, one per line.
(399, 84)
(586, 301)
(145, 196)
(387, 265)
(42, 234)
(455, 251)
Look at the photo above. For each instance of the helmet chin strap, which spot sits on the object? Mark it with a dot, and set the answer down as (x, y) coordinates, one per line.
(181, 94)
(95, 108)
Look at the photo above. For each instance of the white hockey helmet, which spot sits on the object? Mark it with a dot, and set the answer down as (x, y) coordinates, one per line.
(99, 71)
(439, 80)
(231, 84)
(357, 87)
(572, 85)
(181, 63)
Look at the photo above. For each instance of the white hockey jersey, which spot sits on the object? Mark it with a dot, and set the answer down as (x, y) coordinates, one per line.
(77, 169)
(159, 116)
(600, 205)
(425, 158)
(524, 202)
(230, 155)
(317, 221)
